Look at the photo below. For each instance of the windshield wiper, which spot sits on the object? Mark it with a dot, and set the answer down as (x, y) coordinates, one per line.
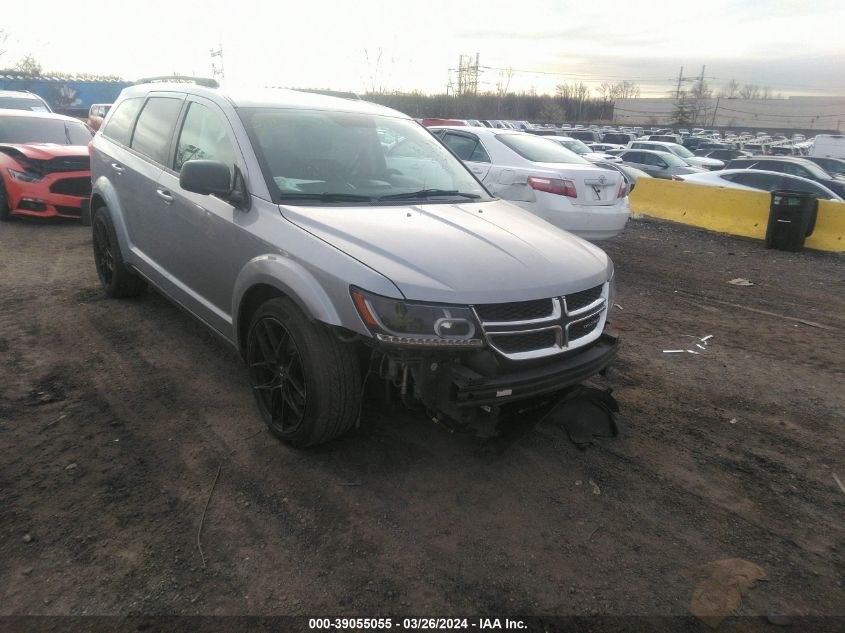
(430, 193)
(67, 135)
(327, 197)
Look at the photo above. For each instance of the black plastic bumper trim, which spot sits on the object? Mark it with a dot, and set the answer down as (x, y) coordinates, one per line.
(475, 390)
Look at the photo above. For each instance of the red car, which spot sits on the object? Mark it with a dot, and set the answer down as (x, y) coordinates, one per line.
(45, 170)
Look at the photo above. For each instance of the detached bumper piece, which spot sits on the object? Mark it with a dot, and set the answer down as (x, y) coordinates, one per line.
(471, 389)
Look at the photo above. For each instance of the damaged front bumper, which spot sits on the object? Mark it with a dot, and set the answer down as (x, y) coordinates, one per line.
(470, 387)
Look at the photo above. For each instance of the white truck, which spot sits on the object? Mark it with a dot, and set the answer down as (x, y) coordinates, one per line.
(829, 146)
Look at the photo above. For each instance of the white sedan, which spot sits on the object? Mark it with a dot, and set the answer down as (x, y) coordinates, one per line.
(544, 178)
(759, 180)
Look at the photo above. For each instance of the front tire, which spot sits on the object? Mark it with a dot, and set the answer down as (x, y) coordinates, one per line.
(306, 383)
(118, 281)
(5, 210)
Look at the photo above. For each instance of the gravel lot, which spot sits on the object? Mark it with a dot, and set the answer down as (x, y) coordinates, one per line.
(116, 417)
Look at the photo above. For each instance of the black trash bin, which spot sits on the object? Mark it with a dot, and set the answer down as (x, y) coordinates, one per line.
(792, 217)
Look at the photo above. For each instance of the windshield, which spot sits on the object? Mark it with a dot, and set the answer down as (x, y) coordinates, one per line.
(22, 103)
(22, 129)
(540, 149)
(680, 150)
(673, 161)
(574, 145)
(342, 157)
(815, 170)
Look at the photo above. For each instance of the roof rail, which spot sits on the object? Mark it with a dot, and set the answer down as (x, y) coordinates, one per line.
(181, 79)
(331, 93)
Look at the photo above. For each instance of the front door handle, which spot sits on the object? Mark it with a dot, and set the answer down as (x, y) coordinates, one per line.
(118, 168)
(164, 195)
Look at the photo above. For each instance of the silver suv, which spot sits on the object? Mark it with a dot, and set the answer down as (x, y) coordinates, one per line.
(334, 242)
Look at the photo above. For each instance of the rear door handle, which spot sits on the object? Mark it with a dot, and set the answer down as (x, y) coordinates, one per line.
(164, 195)
(118, 168)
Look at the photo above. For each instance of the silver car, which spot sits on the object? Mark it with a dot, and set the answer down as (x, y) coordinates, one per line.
(283, 222)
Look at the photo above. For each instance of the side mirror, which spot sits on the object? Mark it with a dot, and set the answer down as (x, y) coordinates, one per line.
(206, 177)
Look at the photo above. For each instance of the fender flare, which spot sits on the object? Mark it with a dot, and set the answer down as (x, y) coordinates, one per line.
(289, 278)
(104, 189)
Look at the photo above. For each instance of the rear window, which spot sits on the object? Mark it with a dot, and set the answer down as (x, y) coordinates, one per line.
(22, 103)
(155, 127)
(538, 149)
(119, 127)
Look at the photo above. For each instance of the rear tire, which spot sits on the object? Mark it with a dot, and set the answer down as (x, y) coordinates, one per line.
(306, 383)
(118, 281)
(5, 211)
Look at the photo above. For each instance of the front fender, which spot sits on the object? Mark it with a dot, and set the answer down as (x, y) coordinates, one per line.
(290, 278)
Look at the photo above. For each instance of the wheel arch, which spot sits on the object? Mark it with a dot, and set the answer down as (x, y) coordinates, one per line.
(271, 276)
(103, 194)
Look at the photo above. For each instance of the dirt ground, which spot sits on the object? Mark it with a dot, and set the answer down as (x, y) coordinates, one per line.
(115, 417)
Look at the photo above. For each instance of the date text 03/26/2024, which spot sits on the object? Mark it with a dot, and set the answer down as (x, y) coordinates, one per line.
(409, 624)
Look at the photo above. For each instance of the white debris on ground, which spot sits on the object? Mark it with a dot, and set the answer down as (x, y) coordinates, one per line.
(741, 281)
(701, 344)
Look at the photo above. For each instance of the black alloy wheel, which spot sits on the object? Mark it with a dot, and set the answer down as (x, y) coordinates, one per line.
(103, 253)
(277, 375)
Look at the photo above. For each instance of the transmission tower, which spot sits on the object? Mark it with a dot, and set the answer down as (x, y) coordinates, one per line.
(217, 71)
(468, 75)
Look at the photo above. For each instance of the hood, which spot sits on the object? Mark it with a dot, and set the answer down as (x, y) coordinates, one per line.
(43, 151)
(459, 253)
(703, 160)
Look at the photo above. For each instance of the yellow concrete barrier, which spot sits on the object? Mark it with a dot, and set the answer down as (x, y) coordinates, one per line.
(733, 211)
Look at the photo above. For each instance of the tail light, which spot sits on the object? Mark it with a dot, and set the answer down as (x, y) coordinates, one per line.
(678, 178)
(623, 189)
(553, 185)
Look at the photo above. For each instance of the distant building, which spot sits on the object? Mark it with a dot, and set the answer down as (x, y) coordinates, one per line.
(68, 96)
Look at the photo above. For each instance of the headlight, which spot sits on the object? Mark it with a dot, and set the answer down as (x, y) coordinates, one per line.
(611, 278)
(423, 324)
(25, 176)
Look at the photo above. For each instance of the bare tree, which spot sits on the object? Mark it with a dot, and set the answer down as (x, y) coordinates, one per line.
(766, 92)
(29, 66)
(377, 75)
(731, 90)
(4, 36)
(503, 84)
(749, 91)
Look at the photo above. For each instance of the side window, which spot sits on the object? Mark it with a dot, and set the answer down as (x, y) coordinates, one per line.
(654, 160)
(119, 128)
(793, 184)
(759, 181)
(463, 146)
(204, 136)
(479, 154)
(155, 127)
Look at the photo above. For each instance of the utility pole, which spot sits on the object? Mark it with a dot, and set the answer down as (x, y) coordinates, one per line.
(715, 110)
(680, 79)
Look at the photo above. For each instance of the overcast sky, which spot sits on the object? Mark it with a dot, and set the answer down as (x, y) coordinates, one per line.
(794, 46)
